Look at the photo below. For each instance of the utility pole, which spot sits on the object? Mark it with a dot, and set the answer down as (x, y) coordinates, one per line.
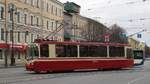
(11, 11)
(6, 34)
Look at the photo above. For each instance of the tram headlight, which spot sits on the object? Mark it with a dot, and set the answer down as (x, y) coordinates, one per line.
(31, 62)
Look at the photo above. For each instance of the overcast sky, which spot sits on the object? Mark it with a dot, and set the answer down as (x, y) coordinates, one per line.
(132, 15)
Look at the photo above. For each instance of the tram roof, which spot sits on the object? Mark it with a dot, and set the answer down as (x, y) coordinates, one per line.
(83, 43)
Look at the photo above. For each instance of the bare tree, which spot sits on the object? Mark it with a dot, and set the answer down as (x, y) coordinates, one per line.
(118, 34)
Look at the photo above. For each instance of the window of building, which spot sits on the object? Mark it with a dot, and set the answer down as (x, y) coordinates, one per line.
(60, 12)
(1, 55)
(32, 38)
(38, 36)
(25, 1)
(25, 18)
(47, 8)
(55, 11)
(47, 24)
(52, 8)
(19, 56)
(32, 2)
(18, 17)
(25, 38)
(37, 21)
(18, 36)
(37, 3)
(11, 36)
(1, 12)
(2, 34)
(52, 25)
(32, 20)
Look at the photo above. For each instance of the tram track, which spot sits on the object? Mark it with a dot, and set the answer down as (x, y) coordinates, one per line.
(13, 77)
(34, 77)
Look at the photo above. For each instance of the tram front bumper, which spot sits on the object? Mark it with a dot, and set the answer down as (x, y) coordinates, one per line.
(29, 66)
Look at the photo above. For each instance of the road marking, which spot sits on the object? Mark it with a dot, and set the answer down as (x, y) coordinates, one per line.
(138, 79)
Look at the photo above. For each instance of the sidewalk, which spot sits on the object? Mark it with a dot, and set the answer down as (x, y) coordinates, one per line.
(19, 63)
(16, 66)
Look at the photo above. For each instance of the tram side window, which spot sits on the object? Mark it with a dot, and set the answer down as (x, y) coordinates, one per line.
(71, 51)
(66, 51)
(97, 51)
(101, 51)
(129, 53)
(44, 51)
(116, 51)
(93, 51)
(84, 51)
(60, 51)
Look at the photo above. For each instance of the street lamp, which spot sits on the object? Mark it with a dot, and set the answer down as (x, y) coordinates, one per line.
(11, 11)
(6, 34)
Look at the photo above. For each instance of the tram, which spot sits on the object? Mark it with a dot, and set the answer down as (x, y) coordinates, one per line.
(53, 56)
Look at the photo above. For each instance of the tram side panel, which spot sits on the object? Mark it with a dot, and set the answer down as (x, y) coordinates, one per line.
(75, 64)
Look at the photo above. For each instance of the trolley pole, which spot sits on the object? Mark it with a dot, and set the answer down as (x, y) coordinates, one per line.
(6, 35)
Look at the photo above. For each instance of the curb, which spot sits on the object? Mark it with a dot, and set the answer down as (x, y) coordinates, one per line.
(12, 67)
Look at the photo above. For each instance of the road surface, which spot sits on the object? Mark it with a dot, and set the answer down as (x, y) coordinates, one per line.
(138, 75)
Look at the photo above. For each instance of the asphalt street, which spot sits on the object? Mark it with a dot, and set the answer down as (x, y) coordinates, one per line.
(137, 75)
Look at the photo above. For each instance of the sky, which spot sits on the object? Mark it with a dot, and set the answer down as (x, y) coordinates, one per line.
(132, 15)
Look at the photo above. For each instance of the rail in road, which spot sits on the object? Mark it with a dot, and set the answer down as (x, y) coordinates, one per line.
(20, 76)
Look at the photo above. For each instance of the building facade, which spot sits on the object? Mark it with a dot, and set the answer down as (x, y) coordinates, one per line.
(30, 20)
(81, 28)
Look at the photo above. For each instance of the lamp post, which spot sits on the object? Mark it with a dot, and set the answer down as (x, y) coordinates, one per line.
(6, 34)
(11, 11)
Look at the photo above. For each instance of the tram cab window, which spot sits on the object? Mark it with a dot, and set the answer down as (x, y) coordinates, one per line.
(33, 52)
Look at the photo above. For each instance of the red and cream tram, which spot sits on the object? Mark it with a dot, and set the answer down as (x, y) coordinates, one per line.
(71, 56)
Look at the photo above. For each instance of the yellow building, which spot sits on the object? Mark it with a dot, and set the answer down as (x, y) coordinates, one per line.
(32, 19)
(136, 45)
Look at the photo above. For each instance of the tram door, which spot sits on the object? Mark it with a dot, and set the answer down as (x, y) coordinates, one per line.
(52, 50)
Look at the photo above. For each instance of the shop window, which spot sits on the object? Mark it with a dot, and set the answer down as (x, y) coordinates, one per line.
(19, 56)
(2, 34)
(18, 36)
(1, 55)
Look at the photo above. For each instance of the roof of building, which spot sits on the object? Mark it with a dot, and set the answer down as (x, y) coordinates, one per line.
(58, 2)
